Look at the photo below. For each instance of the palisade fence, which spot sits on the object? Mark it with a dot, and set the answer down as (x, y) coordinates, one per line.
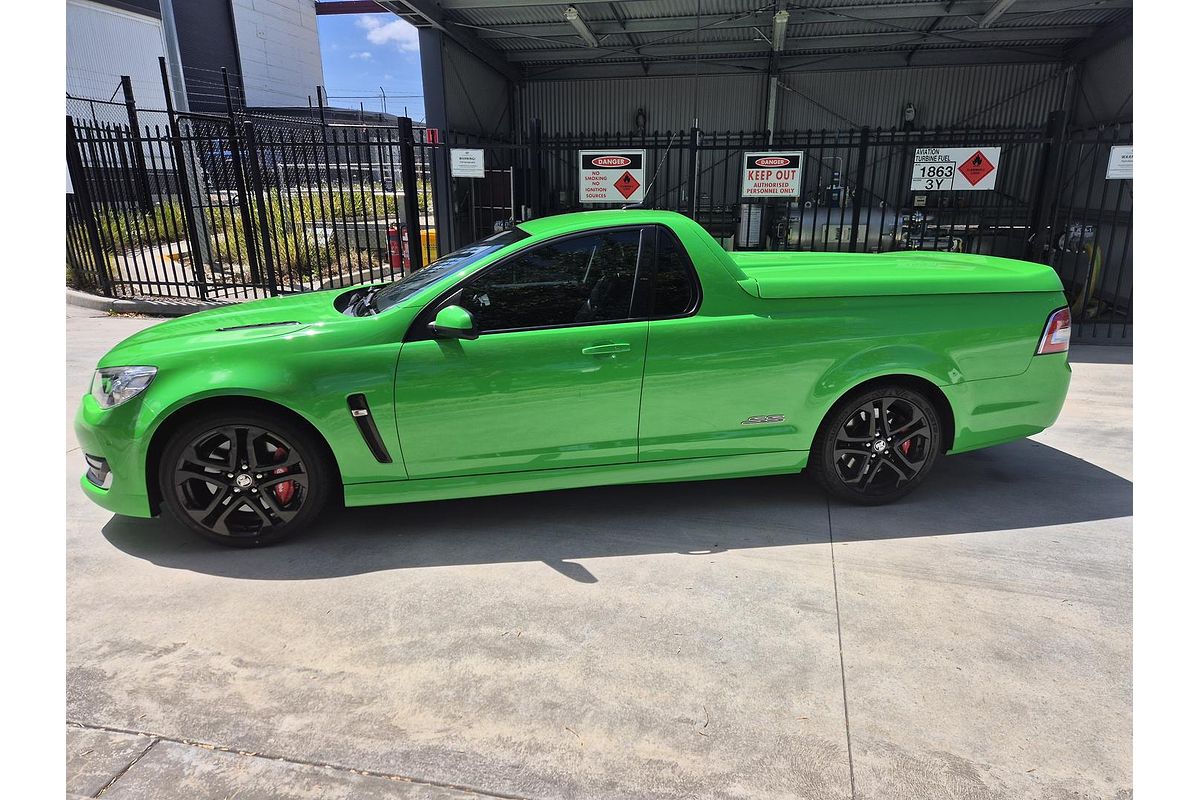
(238, 206)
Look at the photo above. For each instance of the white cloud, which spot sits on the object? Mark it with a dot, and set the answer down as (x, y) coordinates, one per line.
(363, 56)
(398, 32)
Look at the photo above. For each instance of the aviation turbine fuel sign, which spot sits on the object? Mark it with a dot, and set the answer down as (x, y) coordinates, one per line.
(771, 174)
(612, 176)
(959, 169)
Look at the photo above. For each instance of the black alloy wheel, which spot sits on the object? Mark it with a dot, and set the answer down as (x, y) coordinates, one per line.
(877, 446)
(243, 481)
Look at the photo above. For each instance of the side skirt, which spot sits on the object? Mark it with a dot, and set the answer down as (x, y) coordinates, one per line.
(686, 469)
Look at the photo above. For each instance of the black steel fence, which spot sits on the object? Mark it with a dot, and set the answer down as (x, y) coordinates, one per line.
(240, 205)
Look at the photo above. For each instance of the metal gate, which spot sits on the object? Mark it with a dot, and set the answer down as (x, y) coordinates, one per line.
(234, 206)
(237, 206)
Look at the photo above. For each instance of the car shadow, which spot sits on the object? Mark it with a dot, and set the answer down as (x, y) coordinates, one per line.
(1021, 485)
(1100, 354)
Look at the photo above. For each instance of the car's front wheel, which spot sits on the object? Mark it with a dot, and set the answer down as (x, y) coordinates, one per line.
(876, 446)
(244, 479)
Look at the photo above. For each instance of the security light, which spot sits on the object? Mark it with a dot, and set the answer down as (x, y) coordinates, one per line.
(780, 32)
(577, 22)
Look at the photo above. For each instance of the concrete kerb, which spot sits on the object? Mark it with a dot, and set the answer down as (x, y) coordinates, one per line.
(159, 307)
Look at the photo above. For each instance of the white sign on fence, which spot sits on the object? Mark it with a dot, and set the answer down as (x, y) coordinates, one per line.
(466, 163)
(612, 176)
(958, 169)
(771, 174)
(1120, 163)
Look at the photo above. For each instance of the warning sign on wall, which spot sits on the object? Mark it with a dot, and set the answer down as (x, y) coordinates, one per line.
(955, 169)
(1120, 163)
(466, 163)
(612, 176)
(771, 174)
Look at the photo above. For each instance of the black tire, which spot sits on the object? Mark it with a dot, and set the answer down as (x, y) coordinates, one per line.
(280, 487)
(856, 458)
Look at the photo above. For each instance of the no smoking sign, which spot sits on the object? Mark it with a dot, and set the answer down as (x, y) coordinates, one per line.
(612, 176)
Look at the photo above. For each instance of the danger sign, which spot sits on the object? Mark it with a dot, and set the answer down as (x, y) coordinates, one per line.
(960, 169)
(612, 176)
(771, 174)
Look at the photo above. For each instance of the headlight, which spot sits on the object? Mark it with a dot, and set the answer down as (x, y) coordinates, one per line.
(112, 386)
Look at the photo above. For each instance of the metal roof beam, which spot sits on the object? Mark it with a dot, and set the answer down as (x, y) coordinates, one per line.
(865, 41)
(842, 62)
(964, 8)
(995, 12)
(326, 8)
(432, 15)
(924, 8)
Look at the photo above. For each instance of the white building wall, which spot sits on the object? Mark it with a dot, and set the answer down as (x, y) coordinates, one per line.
(279, 52)
(103, 44)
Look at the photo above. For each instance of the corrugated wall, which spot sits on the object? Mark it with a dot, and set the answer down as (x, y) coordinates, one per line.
(280, 56)
(724, 102)
(102, 45)
(982, 96)
(477, 97)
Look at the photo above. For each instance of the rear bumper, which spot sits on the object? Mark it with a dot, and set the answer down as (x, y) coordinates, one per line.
(108, 434)
(999, 410)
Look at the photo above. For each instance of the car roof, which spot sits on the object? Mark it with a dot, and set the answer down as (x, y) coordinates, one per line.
(586, 220)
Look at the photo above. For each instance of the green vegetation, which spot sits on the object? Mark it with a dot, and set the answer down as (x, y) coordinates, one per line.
(312, 232)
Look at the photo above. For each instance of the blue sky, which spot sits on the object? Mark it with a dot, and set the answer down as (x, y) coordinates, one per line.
(362, 52)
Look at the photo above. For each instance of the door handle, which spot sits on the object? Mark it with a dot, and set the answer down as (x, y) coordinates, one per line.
(606, 349)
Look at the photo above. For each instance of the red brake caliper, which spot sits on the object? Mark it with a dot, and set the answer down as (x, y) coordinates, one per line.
(905, 445)
(284, 492)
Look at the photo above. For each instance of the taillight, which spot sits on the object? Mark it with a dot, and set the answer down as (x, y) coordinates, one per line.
(1057, 336)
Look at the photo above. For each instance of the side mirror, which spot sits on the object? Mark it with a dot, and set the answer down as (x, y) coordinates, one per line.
(454, 322)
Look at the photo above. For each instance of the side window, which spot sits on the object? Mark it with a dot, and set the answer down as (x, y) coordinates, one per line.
(674, 285)
(573, 281)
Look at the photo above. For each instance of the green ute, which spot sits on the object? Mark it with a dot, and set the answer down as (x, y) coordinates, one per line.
(578, 350)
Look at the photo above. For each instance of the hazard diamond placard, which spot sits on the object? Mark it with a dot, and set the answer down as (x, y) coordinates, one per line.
(959, 169)
(612, 176)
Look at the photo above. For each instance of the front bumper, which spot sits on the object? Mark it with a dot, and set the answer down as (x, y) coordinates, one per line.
(998, 410)
(109, 434)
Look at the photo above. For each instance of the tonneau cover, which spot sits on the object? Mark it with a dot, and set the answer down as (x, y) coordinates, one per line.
(795, 275)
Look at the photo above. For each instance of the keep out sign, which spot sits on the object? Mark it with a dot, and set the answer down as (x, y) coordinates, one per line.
(771, 174)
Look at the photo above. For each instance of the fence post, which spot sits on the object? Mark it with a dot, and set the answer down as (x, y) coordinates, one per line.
(83, 198)
(694, 167)
(197, 235)
(145, 200)
(535, 168)
(860, 174)
(239, 178)
(1041, 214)
(264, 227)
(412, 208)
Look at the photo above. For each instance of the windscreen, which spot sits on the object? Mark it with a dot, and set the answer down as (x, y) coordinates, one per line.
(460, 259)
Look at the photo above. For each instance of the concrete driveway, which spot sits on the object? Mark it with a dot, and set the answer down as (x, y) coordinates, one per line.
(726, 639)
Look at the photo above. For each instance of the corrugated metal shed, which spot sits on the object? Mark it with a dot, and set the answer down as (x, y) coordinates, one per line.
(984, 96)
(591, 64)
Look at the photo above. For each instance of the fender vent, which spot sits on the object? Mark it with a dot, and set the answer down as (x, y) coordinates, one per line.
(366, 426)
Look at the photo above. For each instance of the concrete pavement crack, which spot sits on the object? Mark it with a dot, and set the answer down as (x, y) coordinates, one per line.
(285, 759)
(126, 768)
(837, 608)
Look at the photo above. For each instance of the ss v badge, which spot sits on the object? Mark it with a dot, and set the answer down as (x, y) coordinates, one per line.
(763, 420)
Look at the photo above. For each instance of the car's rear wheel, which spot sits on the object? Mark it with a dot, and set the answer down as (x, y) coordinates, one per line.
(244, 479)
(876, 446)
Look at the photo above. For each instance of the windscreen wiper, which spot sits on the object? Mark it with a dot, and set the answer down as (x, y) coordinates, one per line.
(367, 301)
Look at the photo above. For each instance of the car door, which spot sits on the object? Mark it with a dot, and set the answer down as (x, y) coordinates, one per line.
(718, 381)
(554, 379)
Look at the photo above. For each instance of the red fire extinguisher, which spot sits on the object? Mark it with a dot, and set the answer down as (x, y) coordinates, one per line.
(404, 249)
(397, 245)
